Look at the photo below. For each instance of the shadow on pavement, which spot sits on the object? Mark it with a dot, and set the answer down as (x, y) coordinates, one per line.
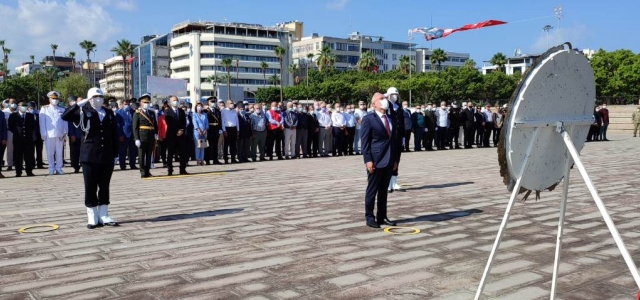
(201, 214)
(441, 217)
(440, 186)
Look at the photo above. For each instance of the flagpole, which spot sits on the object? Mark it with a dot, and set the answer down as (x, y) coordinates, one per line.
(432, 27)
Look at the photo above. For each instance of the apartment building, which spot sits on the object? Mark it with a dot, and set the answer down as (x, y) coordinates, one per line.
(151, 58)
(454, 60)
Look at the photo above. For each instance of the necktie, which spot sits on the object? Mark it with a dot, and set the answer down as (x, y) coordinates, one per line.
(386, 124)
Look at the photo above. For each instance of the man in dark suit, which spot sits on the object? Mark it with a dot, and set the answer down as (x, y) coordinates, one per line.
(39, 144)
(145, 132)
(3, 138)
(213, 133)
(23, 126)
(175, 140)
(468, 117)
(244, 134)
(396, 111)
(127, 143)
(75, 139)
(380, 152)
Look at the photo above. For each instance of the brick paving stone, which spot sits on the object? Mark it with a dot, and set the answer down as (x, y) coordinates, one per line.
(226, 243)
(350, 279)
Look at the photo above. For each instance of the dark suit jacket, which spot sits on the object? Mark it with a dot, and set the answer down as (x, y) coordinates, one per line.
(215, 120)
(398, 123)
(23, 131)
(468, 117)
(175, 122)
(377, 146)
(140, 119)
(245, 125)
(126, 116)
(3, 127)
(100, 144)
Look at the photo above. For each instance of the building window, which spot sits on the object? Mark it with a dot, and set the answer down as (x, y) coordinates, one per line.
(386, 56)
(240, 57)
(353, 47)
(394, 57)
(178, 58)
(183, 69)
(183, 45)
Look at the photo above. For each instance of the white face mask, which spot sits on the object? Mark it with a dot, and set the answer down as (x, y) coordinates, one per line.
(145, 106)
(97, 102)
(23, 109)
(114, 109)
(394, 98)
(174, 103)
(199, 109)
(384, 104)
(53, 102)
(405, 106)
(14, 106)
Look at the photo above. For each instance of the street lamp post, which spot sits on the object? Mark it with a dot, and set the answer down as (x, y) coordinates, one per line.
(547, 28)
(94, 69)
(410, 64)
(559, 14)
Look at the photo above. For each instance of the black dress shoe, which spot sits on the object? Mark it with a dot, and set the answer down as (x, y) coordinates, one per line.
(29, 174)
(134, 168)
(387, 222)
(372, 224)
(76, 171)
(18, 175)
(111, 224)
(217, 162)
(169, 173)
(184, 173)
(89, 226)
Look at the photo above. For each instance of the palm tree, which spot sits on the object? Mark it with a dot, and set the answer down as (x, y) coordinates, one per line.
(227, 79)
(88, 47)
(438, 57)
(124, 49)
(214, 79)
(54, 47)
(72, 55)
(33, 59)
(264, 66)
(368, 62)
(405, 64)
(499, 60)
(309, 61)
(470, 64)
(237, 71)
(226, 63)
(274, 79)
(293, 68)
(5, 60)
(326, 58)
(280, 51)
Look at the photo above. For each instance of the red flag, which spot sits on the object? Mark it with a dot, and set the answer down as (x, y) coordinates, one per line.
(433, 33)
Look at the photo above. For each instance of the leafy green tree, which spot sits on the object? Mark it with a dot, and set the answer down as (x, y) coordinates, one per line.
(74, 85)
(264, 66)
(368, 62)
(405, 64)
(226, 63)
(124, 49)
(325, 59)
(214, 79)
(25, 88)
(268, 94)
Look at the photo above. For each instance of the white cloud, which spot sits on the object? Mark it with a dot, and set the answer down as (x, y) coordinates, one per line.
(33, 25)
(127, 5)
(576, 35)
(337, 4)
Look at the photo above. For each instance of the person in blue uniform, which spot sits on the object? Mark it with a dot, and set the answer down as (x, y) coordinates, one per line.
(98, 149)
(200, 127)
(127, 143)
(23, 126)
(145, 133)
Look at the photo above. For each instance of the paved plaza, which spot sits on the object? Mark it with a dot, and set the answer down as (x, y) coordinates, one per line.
(296, 230)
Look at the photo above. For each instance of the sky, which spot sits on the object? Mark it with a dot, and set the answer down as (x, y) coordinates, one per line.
(29, 27)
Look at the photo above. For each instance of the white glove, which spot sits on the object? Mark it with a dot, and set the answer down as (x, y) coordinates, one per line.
(220, 132)
(138, 143)
(156, 137)
(82, 102)
(426, 130)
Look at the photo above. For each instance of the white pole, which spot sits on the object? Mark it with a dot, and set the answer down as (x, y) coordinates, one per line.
(563, 207)
(410, 61)
(507, 212)
(603, 210)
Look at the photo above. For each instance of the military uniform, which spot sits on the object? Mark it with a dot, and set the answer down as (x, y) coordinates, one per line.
(98, 149)
(145, 131)
(23, 126)
(397, 112)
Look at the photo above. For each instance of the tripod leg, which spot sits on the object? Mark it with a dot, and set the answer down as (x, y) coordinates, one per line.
(563, 207)
(505, 219)
(603, 210)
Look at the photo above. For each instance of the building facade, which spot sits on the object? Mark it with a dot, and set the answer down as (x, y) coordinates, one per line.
(518, 63)
(27, 68)
(93, 71)
(151, 58)
(454, 60)
(349, 50)
(115, 77)
(198, 48)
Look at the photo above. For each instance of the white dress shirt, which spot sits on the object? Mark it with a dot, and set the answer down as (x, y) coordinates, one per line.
(359, 115)
(230, 119)
(324, 119)
(338, 120)
(443, 117)
(488, 116)
(350, 119)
